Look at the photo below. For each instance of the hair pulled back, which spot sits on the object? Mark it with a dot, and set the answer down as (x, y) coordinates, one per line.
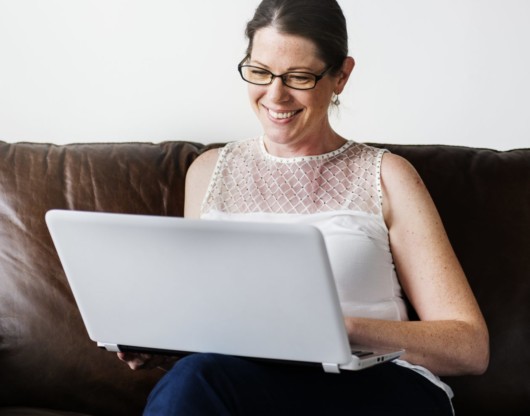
(320, 21)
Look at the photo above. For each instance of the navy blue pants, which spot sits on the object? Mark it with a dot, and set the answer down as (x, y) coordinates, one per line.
(212, 384)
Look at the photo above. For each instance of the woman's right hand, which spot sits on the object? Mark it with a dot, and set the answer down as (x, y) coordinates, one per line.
(141, 361)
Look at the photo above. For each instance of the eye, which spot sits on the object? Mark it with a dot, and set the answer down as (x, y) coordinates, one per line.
(299, 78)
(258, 73)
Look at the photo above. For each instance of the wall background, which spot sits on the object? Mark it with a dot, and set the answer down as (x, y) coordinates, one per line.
(428, 71)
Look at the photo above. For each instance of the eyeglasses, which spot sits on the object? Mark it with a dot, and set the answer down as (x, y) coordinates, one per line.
(296, 80)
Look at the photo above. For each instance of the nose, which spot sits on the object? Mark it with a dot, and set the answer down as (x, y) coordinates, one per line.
(277, 91)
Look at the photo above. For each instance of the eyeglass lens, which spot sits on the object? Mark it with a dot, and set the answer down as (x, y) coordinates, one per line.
(260, 76)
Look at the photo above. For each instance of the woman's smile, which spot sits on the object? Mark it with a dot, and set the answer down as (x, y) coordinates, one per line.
(281, 115)
(294, 121)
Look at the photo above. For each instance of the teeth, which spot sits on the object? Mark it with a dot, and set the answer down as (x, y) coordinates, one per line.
(282, 115)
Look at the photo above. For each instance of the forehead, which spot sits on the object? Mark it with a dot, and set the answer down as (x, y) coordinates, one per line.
(274, 48)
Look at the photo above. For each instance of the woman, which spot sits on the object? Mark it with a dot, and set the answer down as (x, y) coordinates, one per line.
(372, 208)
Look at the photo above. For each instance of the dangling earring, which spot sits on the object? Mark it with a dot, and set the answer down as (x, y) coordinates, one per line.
(335, 100)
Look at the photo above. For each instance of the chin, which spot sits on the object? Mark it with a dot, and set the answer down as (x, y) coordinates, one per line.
(280, 133)
(279, 137)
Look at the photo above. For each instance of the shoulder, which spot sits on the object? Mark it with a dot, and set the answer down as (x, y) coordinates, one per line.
(204, 164)
(396, 169)
(198, 179)
(403, 188)
(397, 173)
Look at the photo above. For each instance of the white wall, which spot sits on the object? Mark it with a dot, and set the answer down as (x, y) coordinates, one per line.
(428, 71)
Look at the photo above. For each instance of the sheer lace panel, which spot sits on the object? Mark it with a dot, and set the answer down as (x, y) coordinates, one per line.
(247, 179)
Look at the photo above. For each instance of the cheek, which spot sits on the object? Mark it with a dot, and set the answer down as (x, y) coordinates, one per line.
(320, 104)
(254, 94)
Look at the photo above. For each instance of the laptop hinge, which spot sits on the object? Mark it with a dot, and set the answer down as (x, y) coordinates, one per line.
(331, 368)
(109, 347)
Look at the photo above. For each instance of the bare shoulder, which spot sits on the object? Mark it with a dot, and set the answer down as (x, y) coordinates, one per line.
(197, 180)
(403, 188)
(396, 171)
(204, 164)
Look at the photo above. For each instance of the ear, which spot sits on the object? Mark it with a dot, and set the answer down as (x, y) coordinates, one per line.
(344, 74)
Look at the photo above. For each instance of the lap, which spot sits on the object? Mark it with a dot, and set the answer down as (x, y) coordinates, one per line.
(232, 385)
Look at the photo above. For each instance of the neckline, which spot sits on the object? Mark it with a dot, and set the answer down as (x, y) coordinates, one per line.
(295, 159)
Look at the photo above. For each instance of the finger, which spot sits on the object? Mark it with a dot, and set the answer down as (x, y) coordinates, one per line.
(134, 361)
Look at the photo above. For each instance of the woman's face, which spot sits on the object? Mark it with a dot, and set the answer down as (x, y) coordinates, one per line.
(293, 120)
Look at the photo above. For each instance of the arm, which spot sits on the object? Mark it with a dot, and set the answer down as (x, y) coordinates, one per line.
(197, 181)
(451, 337)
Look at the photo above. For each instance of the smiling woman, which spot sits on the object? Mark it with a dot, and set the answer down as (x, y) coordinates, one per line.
(383, 235)
(294, 119)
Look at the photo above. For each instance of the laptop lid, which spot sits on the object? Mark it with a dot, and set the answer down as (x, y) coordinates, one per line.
(178, 285)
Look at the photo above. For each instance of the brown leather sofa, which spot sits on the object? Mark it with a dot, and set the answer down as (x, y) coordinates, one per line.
(48, 366)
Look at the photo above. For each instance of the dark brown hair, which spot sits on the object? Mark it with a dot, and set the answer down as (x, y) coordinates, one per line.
(320, 21)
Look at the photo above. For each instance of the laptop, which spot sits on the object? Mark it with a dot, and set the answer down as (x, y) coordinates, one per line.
(171, 285)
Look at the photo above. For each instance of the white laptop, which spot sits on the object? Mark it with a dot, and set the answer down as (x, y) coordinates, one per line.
(174, 286)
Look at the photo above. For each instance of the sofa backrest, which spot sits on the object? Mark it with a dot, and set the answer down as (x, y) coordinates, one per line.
(483, 197)
(46, 358)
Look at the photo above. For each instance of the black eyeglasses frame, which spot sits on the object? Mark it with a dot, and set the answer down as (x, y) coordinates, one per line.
(318, 77)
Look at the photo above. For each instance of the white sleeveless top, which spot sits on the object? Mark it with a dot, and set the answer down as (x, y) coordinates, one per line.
(338, 192)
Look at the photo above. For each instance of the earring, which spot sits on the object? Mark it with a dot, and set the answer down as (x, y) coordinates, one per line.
(335, 100)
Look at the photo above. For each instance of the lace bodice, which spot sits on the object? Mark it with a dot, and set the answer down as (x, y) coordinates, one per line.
(339, 193)
(247, 179)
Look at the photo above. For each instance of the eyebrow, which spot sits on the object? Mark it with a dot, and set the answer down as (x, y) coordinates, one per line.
(291, 69)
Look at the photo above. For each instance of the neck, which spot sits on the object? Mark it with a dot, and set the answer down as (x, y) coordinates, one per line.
(304, 147)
